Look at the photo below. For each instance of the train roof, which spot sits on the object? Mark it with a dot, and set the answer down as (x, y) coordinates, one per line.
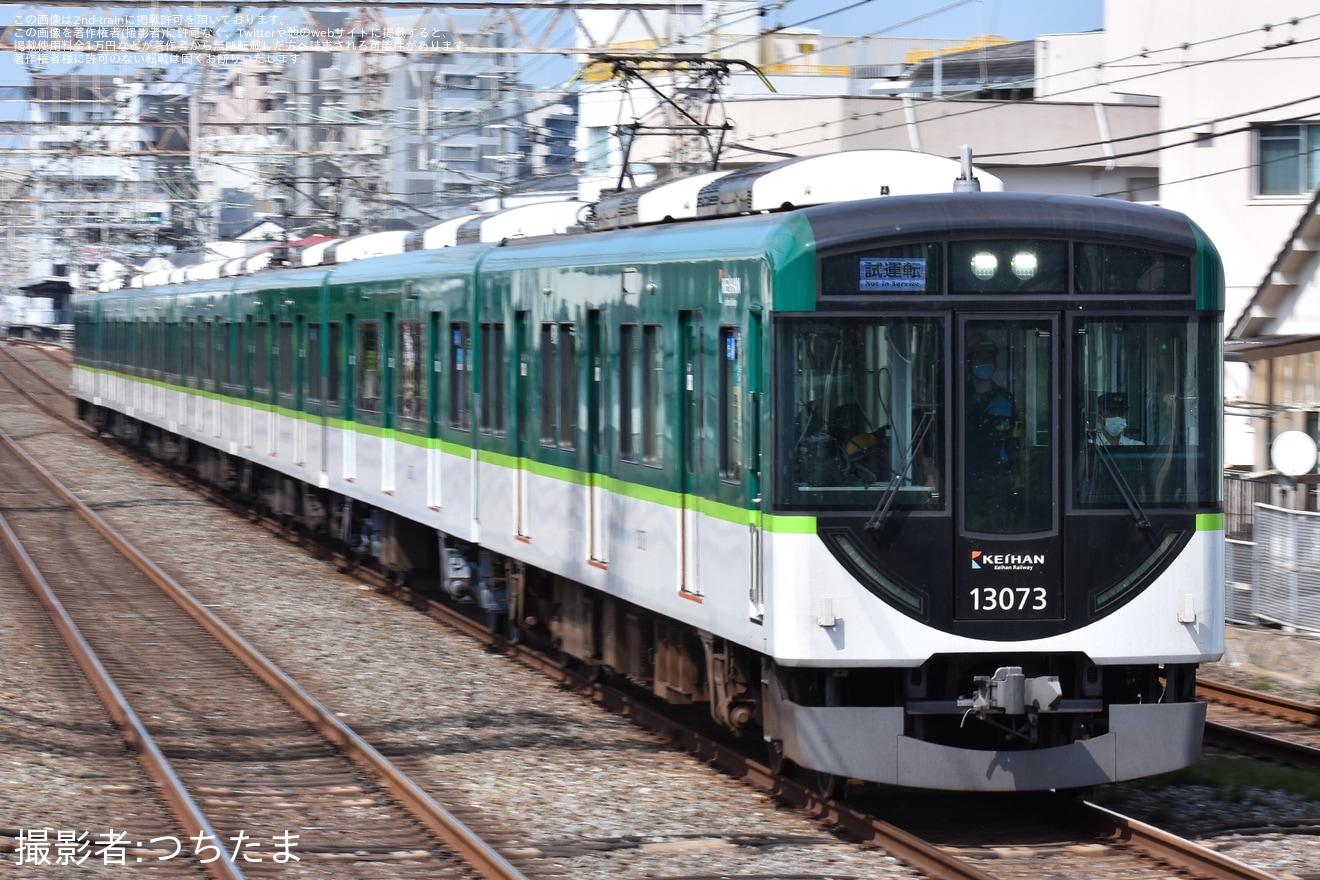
(998, 214)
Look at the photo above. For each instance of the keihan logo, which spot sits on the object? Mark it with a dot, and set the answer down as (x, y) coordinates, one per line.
(1007, 561)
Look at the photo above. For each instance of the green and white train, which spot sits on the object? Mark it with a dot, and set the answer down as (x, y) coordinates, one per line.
(837, 469)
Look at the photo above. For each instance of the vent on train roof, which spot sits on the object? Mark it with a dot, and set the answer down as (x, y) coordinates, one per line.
(838, 177)
(657, 203)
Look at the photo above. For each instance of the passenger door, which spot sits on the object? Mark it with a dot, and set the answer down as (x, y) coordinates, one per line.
(1008, 563)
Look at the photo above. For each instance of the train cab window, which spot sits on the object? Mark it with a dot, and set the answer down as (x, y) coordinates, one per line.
(412, 375)
(460, 377)
(909, 268)
(1008, 266)
(368, 367)
(731, 418)
(1103, 268)
(492, 379)
(558, 375)
(862, 402)
(1139, 433)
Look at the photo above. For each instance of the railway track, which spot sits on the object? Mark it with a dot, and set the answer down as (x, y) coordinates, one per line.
(1263, 725)
(233, 747)
(1123, 847)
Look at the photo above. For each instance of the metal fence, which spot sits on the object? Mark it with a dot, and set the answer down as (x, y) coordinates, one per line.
(1275, 578)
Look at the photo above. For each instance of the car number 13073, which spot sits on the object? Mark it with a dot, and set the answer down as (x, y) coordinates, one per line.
(1009, 598)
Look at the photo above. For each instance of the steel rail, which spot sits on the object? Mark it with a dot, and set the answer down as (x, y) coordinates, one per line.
(925, 857)
(1183, 854)
(1262, 745)
(1306, 714)
(480, 855)
(135, 733)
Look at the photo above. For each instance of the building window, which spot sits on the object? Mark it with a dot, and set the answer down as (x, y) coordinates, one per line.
(1288, 159)
(597, 159)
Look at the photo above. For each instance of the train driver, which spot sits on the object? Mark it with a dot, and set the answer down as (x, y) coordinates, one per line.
(1112, 408)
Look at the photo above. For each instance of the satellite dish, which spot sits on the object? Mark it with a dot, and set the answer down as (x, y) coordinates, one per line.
(1293, 453)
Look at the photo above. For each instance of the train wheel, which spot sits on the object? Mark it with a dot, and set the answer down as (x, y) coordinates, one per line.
(779, 765)
(827, 785)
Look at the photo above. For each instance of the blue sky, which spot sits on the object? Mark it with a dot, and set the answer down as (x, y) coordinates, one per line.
(1014, 19)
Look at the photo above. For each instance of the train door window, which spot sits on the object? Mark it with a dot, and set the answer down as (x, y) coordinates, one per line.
(190, 352)
(567, 386)
(260, 359)
(460, 378)
(206, 355)
(312, 367)
(653, 392)
(286, 354)
(435, 338)
(731, 414)
(412, 375)
(492, 379)
(368, 367)
(1008, 426)
(234, 356)
(630, 397)
(335, 372)
(558, 376)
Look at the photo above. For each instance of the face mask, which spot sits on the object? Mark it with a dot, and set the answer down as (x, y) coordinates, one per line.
(1114, 425)
(983, 371)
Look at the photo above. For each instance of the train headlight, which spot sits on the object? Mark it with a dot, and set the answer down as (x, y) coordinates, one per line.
(985, 265)
(1024, 265)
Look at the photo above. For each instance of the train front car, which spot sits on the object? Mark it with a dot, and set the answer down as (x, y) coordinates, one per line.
(1003, 413)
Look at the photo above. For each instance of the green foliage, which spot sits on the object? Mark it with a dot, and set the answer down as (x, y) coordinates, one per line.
(1262, 683)
(1241, 780)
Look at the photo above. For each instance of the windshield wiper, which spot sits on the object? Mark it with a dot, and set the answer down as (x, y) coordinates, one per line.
(891, 492)
(1124, 488)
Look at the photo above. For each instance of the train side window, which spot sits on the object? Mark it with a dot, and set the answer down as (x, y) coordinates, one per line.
(189, 350)
(412, 379)
(368, 362)
(630, 398)
(285, 361)
(492, 379)
(653, 392)
(731, 419)
(558, 386)
(460, 379)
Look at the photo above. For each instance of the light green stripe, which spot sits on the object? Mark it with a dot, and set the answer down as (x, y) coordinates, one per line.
(795, 525)
(1209, 522)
